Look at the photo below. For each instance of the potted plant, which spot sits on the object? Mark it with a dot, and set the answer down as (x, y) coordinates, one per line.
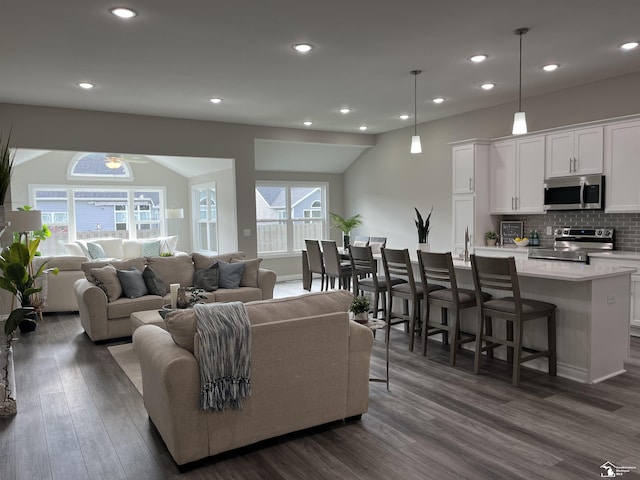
(491, 237)
(19, 280)
(360, 309)
(423, 227)
(6, 170)
(345, 225)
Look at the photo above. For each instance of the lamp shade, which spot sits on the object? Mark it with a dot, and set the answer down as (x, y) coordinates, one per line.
(519, 123)
(174, 213)
(416, 147)
(24, 220)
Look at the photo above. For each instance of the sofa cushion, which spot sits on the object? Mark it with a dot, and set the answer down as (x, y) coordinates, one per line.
(173, 269)
(205, 261)
(112, 246)
(96, 252)
(230, 274)
(250, 274)
(133, 285)
(106, 278)
(181, 324)
(124, 307)
(207, 279)
(154, 283)
(241, 294)
(118, 264)
(150, 248)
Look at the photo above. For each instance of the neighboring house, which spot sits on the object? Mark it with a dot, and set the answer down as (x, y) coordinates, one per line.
(306, 202)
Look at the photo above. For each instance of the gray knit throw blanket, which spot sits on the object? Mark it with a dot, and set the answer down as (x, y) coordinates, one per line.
(225, 355)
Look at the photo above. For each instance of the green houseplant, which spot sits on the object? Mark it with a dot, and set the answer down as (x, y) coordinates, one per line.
(423, 226)
(6, 168)
(491, 238)
(360, 308)
(345, 225)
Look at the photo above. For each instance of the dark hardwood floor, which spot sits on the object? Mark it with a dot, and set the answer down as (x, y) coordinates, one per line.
(80, 417)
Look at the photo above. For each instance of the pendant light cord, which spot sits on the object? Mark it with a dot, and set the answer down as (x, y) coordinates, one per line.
(415, 74)
(520, 77)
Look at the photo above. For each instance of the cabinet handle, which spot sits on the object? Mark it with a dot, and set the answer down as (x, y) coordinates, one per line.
(516, 203)
(575, 165)
(570, 170)
(512, 207)
(470, 184)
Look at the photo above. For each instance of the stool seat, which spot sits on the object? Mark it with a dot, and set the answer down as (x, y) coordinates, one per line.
(508, 305)
(382, 282)
(464, 295)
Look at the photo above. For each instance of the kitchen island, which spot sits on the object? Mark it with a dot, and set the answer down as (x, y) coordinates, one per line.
(592, 316)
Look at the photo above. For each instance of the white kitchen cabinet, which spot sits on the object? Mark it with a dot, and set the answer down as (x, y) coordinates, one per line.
(574, 152)
(464, 214)
(516, 175)
(466, 157)
(622, 167)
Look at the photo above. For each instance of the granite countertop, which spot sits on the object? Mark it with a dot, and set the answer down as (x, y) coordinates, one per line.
(616, 254)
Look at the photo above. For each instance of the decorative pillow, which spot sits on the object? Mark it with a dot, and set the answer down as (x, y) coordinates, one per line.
(205, 261)
(107, 279)
(250, 274)
(207, 278)
(154, 283)
(112, 247)
(230, 274)
(173, 269)
(151, 249)
(83, 247)
(181, 324)
(119, 265)
(96, 251)
(133, 285)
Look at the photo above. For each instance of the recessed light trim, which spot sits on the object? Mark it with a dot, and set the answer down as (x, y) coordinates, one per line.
(86, 85)
(123, 12)
(303, 47)
(307, 123)
(551, 67)
(345, 110)
(481, 57)
(629, 45)
(362, 127)
(438, 100)
(215, 100)
(404, 116)
(487, 86)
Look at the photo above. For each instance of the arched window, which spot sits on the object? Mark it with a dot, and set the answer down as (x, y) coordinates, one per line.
(107, 165)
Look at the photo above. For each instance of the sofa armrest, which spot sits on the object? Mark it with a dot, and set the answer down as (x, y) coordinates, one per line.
(266, 282)
(92, 306)
(171, 385)
(360, 345)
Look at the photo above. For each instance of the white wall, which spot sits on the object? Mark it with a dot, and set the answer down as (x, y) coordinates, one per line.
(386, 182)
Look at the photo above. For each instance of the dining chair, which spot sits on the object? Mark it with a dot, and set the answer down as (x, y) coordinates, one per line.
(316, 262)
(501, 274)
(438, 267)
(334, 267)
(377, 243)
(360, 241)
(397, 264)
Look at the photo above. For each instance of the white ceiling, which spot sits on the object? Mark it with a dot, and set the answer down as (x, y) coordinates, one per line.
(175, 55)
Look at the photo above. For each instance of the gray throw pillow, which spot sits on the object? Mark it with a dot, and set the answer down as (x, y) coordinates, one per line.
(154, 283)
(230, 274)
(106, 278)
(207, 278)
(133, 285)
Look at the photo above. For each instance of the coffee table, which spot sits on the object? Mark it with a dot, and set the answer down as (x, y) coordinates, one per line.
(146, 317)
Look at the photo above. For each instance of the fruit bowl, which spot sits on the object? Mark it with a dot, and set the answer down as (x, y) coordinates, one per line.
(523, 242)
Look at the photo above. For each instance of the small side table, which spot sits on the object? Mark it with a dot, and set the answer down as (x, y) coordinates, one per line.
(376, 324)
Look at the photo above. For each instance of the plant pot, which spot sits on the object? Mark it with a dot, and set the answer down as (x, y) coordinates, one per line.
(8, 406)
(424, 247)
(491, 242)
(362, 317)
(345, 241)
(27, 326)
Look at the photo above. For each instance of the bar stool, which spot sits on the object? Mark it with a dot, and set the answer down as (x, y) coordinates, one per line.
(316, 262)
(438, 267)
(397, 264)
(501, 274)
(333, 267)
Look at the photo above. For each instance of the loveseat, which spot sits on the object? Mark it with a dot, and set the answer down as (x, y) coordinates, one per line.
(105, 315)
(309, 366)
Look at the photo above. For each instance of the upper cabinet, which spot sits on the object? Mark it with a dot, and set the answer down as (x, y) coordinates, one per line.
(516, 175)
(574, 152)
(466, 157)
(622, 167)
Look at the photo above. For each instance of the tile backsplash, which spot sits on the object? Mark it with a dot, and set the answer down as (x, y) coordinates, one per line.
(626, 225)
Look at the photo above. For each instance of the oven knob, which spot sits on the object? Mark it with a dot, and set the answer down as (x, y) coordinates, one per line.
(607, 233)
(598, 233)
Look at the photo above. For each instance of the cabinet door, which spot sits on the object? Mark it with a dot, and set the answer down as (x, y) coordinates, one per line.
(530, 175)
(502, 177)
(559, 155)
(463, 168)
(588, 151)
(463, 216)
(635, 305)
(622, 167)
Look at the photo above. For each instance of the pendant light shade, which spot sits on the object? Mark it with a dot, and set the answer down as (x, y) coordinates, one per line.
(519, 119)
(416, 146)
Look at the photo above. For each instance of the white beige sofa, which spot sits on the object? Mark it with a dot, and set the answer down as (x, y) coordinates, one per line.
(103, 318)
(118, 248)
(309, 366)
(60, 294)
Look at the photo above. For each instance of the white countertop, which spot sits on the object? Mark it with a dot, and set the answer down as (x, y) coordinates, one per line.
(621, 254)
(568, 271)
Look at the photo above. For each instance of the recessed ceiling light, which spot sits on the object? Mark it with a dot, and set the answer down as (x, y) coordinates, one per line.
(487, 86)
(551, 67)
(629, 45)
(303, 47)
(215, 100)
(123, 12)
(345, 110)
(85, 85)
(438, 100)
(404, 116)
(363, 127)
(478, 58)
(307, 123)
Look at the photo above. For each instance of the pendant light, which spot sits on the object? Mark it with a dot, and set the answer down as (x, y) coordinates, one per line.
(519, 118)
(416, 147)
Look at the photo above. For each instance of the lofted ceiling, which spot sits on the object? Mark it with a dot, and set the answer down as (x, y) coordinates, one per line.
(174, 56)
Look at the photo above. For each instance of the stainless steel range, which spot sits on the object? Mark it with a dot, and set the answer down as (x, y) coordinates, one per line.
(573, 244)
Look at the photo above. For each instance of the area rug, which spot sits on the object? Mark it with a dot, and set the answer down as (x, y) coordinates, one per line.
(127, 359)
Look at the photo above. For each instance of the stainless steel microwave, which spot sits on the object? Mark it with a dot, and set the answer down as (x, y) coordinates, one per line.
(584, 192)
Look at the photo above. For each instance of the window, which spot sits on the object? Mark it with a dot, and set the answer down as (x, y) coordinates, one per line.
(205, 233)
(288, 213)
(81, 213)
(95, 165)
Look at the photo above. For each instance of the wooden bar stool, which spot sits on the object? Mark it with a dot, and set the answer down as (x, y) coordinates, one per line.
(500, 274)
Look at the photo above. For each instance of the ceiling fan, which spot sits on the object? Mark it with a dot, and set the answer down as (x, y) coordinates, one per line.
(114, 161)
